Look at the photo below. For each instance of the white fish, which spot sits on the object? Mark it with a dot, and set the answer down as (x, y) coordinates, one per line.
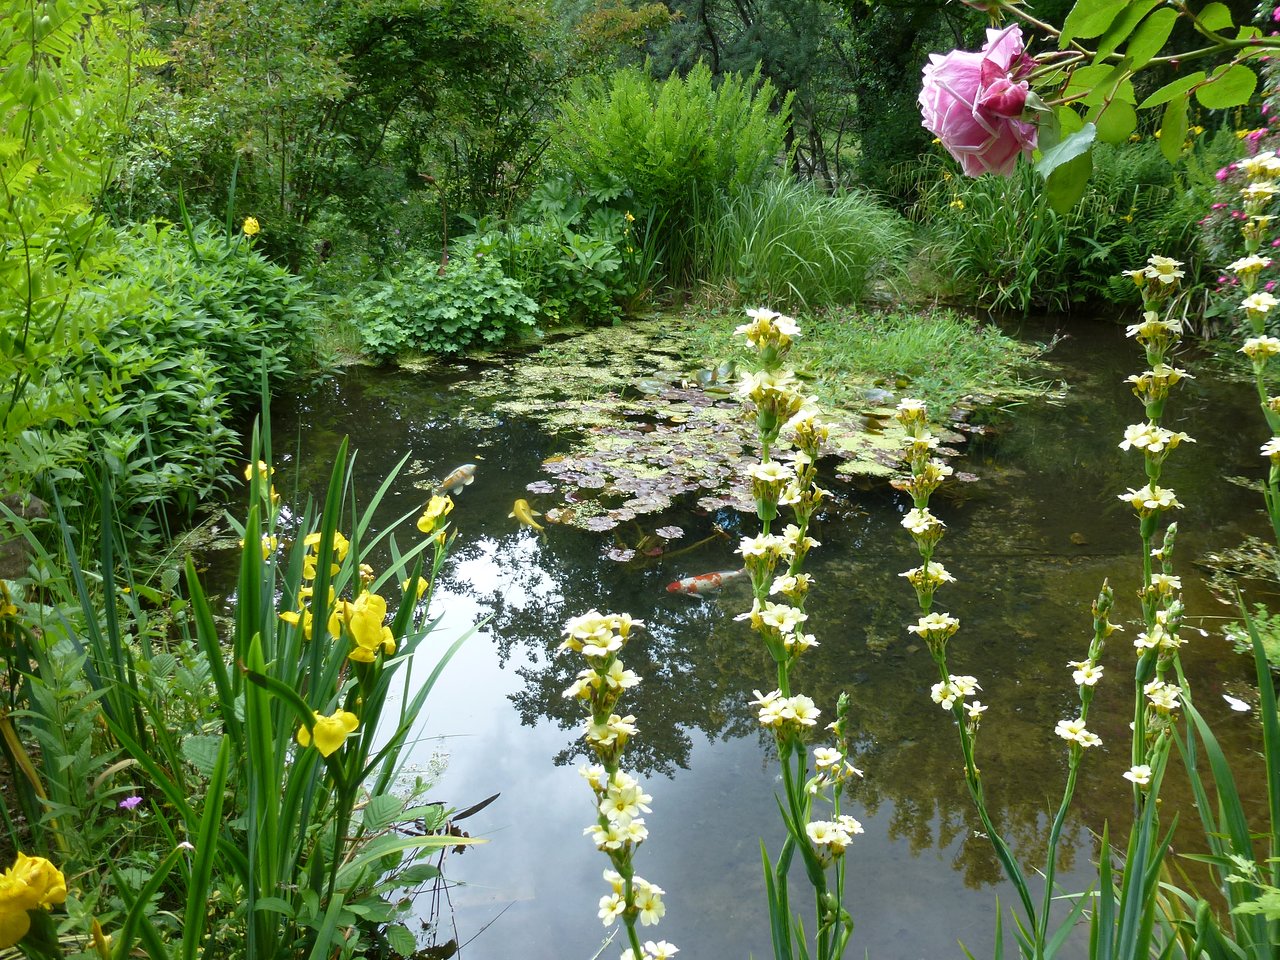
(459, 478)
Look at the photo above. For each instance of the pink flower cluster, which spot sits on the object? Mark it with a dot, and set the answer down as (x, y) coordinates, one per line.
(974, 103)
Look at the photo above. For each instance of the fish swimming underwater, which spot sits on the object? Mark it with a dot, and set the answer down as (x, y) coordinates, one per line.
(455, 481)
(525, 514)
(704, 583)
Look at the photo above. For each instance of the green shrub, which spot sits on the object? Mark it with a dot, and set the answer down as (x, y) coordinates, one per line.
(575, 278)
(185, 329)
(432, 309)
(1000, 245)
(249, 314)
(669, 147)
(789, 243)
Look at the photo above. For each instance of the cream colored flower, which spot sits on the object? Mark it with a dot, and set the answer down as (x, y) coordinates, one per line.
(1141, 774)
(1163, 270)
(1259, 349)
(1075, 731)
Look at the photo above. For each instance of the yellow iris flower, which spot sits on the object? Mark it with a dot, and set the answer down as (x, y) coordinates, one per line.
(433, 513)
(329, 732)
(32, 883)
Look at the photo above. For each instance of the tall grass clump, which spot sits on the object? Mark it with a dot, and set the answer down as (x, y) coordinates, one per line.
(230, 788)
(1001, 246)
(667, 150)
(944, 355)
(791, 243)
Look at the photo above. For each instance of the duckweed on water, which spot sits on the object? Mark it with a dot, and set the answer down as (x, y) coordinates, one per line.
(651, 404)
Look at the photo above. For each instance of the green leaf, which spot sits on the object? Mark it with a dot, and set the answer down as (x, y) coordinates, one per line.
(1268, 904)
(1215, 16)
(1116, 122)
(1150, 38)
(205, 856)
(201, 751)
(1231, 86)
(1071, 147)
(401, 939)
(381, 811)
(1173, 130)
(418, 873)
(1066, 184)
(1069, 121)
(1171, 90)
(275, 905)
(1089, 18)
(1122, 26)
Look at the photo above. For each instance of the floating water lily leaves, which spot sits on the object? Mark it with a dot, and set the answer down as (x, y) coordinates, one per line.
(650, 422)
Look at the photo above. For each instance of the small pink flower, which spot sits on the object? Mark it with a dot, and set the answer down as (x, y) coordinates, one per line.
(1269, 286)
(1275, 14)
(973, 103)
(1218, 206)
(129, 803)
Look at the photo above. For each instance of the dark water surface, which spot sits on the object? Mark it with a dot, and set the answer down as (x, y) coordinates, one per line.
(1030, 544)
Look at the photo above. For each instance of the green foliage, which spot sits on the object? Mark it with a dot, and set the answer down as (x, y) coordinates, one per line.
(803, 47)
(1267, 626)
(343, 112)
(243, 842)
(669, 148)
(431, 308)
(573, 277)
(250, 315)
(890, 42)
(1002, 247)
(788, 243)
(1244, 846)
(64, 83)
(941, 356)
(184, 337)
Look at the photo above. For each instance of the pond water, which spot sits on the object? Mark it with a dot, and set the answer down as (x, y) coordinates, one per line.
(1030, 543)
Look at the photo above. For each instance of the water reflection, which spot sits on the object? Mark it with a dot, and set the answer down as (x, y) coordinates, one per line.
(1030, 545)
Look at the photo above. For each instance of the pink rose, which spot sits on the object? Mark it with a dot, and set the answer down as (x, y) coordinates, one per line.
(973, 103)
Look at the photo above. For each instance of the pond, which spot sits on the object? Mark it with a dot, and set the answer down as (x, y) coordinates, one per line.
(1029, 542)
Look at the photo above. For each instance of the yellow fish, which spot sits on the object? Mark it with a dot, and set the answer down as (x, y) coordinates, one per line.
(525, 514)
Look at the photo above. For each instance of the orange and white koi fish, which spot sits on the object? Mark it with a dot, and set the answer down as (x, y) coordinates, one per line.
(525, 514)
(704, 583)
(460, 478)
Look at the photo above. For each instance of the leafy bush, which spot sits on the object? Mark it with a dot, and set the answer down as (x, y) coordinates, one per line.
(432, 309)
(249, 314)
(574, 277)
(671, 147)
(195, 323)
(1003, 247)
(186, 327)
(789, 243)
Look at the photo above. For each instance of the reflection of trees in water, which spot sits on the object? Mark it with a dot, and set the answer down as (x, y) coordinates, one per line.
(1028, 545)
(700, 667)
(696, 674)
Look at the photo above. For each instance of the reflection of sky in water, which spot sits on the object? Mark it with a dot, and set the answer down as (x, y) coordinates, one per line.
(1030, 545)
